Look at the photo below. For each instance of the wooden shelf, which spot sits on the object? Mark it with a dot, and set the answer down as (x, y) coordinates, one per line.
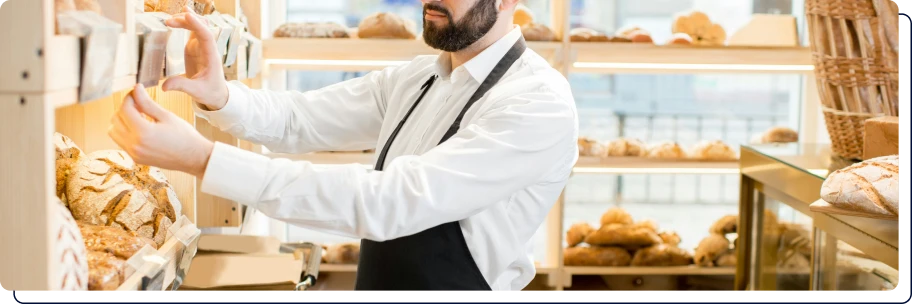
(356, 54)
(677, 270)
(324, 267)
(648, 58)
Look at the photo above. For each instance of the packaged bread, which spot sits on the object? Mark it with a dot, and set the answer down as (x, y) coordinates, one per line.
(871, 186)
(725, 225)
(67, 155)
(107, 188)
(616, 215)
(670, 238)
(775, 135)
(596, 256)
(71, 271)
(625, 147)
(666, 150)
(714, 150)
(538, 32)
(577, 233)
(711, 248)
(588, 147)
(386, 26)
(626, 236)
(728, 259)
(523, 16)
(105, 270)
(347, 253)
(661, 255)
(700, 28)
(121, 243)
(680, 39)
(311, 30)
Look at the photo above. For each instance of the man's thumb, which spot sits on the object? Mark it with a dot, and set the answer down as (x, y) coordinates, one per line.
(181, 84)
(146, 105)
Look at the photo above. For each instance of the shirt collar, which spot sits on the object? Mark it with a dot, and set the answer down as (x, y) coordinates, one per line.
(482, 65)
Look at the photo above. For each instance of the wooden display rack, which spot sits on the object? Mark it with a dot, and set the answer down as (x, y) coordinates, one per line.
(39, 81)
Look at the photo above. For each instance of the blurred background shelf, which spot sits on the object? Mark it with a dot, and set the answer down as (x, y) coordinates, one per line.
(676, 270)
(659, 59)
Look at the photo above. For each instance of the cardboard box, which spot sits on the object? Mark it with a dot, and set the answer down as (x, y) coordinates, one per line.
(239, 244)
(228, 271)
(881, 137)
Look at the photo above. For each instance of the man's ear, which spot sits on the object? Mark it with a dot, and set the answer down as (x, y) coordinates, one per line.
(507, 5)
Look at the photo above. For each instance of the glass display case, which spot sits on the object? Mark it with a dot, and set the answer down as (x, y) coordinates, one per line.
(854, 253)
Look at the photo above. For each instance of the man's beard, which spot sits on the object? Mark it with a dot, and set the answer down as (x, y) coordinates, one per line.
(453, 36)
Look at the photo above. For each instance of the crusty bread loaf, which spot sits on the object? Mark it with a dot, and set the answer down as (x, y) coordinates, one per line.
(202, 7)
(727, 260)
(386, 26)
(589, 147)
(582, 34)
(577, 233)
(616, 215)
(775, 135)
(596, 256)
(871, 186)
(523, 16)
(626, 236)
(670, 238)
(667, 150)
(121, 243)
(108, 188)
(725, 225)
(70, 268)
(67, 155)
(635, 34)
(648, 224)
(661, 255)
(714, 150)
(700, 28)
(106, 271)
(538, 32)
(311, 30)
(343, 253)
(626, 147)
(711, 248)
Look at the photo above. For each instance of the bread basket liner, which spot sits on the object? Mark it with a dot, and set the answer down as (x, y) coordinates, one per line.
(148, 268)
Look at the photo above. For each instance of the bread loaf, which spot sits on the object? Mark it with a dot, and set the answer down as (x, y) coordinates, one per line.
(616, 215)
(105, 271)
(386, 26)
(596, 256)
(700, 28)
(88, 5)
(202, 7)
(64, 5)
(523, 16)
(680, 39)
(70, 268)
(711, 248)
(648, 224)
(311, 30)
(715, 150)
(108, 188)
(538, 32)
(626, 147)
(587, 35)
(725, 225)
(122, 244)
(626, 236)
(343, 253)
(727, 260)
(670, 238)
(577, 233)
(67, 155)
(870, 186)
(635, 34)
(588, 147)
(661, 255)
(776, 135)
(667, 150)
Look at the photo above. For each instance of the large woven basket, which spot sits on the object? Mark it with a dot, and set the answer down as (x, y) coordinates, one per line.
(855, 51)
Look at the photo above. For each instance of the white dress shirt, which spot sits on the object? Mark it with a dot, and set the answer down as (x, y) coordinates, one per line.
(498, 176)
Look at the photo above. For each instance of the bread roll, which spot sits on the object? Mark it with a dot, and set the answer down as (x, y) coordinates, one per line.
(596, 256)
(108, 188)
(680, 39)
(616, 215)
(667, 150)
(711, 248)
(715, 150)
(776, 135)
(589, 147)
(577, 233)
(538, 32)
(626, 236)
(122, 244)
(626, 147)
(670, 238)
(69, 265)
(523, 16)
(343, 253)
(105, 271)
(648, 224)
(870, 186)
(67, 155)
(311, 30)
(386, 26)
(635, 34)
(202, 7)
(725, 225)
(587, 35)
(700, 28)
(661, 255)
(727, 260)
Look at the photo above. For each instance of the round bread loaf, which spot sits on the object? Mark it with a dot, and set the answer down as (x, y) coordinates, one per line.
(538, 32)
(67, 155)
(577, 233)
(715, 150)
(727, 260)
(589, 147)
(311, 30)
(106, 271)
(626, 236)
(626, 147)
(661, 255)
(71, 270)
(711, 248)
(596, 256)
(700, 28)
(523, 16)
(870, 186)
(616, 215)
(776, 135)
(386, 26)
(667, 150)
(108, 188)
(725, 225)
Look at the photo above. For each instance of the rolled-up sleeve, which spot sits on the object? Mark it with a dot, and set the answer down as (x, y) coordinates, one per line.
(510, 146)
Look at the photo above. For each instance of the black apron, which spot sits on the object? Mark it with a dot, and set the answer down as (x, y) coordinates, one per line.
(437, 258)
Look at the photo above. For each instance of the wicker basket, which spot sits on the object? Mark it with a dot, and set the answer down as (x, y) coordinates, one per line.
(854, 44)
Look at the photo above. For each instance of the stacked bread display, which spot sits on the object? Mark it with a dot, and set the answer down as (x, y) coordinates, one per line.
(699, 28)
(621, 242)
(788, 243)
(311, 30)
(714, 150)
(118, 206)
(871, 186)
(532, 31)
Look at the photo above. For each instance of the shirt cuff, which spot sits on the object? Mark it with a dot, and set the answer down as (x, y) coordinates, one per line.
(233, 111)
(235, 174)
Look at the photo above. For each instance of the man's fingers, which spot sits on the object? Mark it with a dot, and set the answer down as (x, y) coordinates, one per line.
(133, 117)
(146, 105)
(192, 22)
(181, 84)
